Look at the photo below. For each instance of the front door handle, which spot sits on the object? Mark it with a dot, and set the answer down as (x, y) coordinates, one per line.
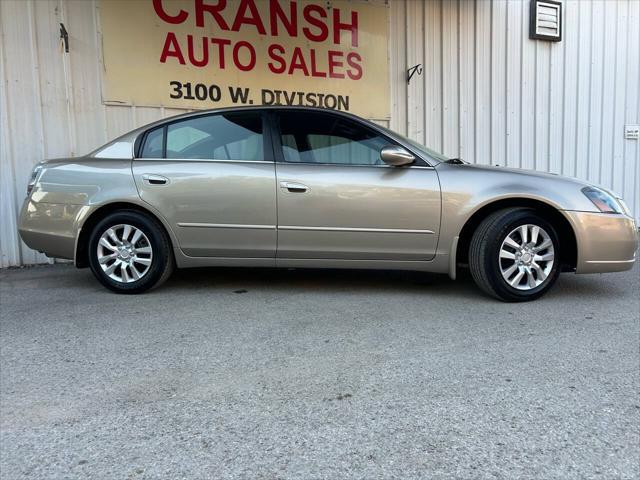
(152, 179)
(294, 187)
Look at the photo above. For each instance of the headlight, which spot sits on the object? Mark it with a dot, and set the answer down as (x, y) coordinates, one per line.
(34, 178)
(601, 199)
(625, 207)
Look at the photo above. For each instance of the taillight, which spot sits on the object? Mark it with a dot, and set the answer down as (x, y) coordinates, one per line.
(34, 178)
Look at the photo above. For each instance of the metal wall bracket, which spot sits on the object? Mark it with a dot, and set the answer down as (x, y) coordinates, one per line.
(64, 36)
(412, 71)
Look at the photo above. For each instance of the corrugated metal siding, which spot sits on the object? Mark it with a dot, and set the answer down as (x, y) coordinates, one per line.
(490, 95)
(487, 93)
(50, 102)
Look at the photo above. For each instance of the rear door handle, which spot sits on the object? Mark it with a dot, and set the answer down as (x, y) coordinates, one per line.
(152, 179)
(294, 187)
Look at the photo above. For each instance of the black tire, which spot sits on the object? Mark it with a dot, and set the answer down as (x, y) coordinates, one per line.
(484, 252)
(162, 262)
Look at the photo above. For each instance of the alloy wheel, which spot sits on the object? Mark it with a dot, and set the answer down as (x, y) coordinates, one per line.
(124, 253)
(526, 257)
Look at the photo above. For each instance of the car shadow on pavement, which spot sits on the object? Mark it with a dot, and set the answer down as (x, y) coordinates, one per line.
(242, 280)
(308, 281)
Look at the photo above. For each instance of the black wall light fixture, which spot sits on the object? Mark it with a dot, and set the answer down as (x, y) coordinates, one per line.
(545, 20)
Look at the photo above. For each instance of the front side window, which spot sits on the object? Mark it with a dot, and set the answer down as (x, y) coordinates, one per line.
(324, 138)
(230, 136)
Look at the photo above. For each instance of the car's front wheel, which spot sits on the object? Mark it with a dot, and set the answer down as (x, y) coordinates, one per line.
(515, 255)
(129, 252)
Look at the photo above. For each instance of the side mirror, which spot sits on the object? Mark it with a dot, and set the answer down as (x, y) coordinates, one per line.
(396, 156)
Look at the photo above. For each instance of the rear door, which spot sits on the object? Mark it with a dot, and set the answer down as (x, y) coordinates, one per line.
(213, 178)
(338, 200)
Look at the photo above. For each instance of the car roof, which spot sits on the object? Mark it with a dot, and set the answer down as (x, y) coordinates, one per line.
(243, 108)
(133, 136)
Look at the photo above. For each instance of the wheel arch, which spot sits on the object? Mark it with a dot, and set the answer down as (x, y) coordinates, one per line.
(82, 243)
(569, 250)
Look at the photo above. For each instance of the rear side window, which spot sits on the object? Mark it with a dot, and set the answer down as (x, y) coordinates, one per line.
(153, 144)
(217, 137)
(231, 136)
(329, 139)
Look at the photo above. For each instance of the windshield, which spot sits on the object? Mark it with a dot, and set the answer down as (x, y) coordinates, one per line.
(417, 146)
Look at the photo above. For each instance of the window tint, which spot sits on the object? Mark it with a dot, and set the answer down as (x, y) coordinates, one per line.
(233, 136)
(153, 144)
(289, 148)
(324, 138)
(418, 146)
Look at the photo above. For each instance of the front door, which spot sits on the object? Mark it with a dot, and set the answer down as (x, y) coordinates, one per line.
(338, 200)
(213, 178)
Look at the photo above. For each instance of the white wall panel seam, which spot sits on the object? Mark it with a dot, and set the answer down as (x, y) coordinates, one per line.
(590, 96)
(8, 234)
(615, 96)
(579, 43)
(636, 206)
(564, 110)
(634, 114)
(40, 134)
(441, 70)
(66, 63)
(40, 140)
(100, 63)
(603, 125)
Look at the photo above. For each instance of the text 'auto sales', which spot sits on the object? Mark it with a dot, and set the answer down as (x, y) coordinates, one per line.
(331, 29)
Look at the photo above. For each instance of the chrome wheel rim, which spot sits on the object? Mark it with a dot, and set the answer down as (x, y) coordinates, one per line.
(124, 253)
(526, 257)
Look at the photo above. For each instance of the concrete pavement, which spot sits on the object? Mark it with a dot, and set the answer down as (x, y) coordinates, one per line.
(266, 374)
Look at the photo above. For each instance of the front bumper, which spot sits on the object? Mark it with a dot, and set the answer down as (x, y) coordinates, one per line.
(51, 228)
(606, 242)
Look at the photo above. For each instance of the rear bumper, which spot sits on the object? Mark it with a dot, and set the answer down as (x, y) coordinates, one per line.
(606, 242)
(51, 228)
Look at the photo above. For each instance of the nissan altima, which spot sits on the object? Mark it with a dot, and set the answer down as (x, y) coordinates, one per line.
(304, 187)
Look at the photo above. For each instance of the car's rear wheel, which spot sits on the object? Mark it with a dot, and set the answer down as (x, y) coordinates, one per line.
(130, 252)
(515, 255)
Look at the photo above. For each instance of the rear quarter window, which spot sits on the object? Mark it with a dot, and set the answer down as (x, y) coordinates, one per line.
(153, 144)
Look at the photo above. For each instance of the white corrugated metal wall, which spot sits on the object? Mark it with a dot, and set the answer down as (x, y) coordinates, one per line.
(51, 103)
(488, 94)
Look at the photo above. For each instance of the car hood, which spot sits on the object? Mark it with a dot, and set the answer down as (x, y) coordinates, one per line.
(506, 171)
(481, 184)
(52, 162)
